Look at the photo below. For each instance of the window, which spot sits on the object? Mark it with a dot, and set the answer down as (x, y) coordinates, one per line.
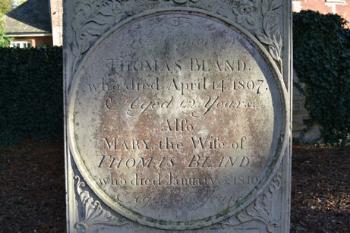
(20, 44)
(335, 1)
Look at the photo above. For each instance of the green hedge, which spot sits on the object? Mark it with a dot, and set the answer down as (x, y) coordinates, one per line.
(322, 62)
(31, 94)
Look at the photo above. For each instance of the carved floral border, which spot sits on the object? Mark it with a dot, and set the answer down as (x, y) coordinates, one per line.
(260, 209)
(94, 17)
(95, 214)
(261, 17)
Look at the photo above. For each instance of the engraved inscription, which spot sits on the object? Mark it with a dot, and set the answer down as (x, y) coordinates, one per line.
(176, 118)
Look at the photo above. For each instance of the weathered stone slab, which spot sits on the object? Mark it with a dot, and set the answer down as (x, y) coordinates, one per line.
(177, 116)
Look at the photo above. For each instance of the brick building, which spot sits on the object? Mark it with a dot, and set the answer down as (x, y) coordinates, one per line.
(29, 24)
(35, 23)
(56, 12)
(340, 7)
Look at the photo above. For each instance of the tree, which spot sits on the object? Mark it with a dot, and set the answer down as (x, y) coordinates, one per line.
(5, 6)
(16, 3)
(4, 40)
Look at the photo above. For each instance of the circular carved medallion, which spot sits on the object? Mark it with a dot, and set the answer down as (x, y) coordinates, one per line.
(176, 119)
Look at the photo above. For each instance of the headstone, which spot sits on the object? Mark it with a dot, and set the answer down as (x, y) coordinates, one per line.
(177, 115)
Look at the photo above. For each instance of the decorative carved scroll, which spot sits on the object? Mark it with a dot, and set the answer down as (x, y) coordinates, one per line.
(93, 212)
(260, 209)
(261, 17)
(93, 18)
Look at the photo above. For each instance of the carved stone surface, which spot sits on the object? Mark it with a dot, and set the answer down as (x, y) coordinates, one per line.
(177, 116)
